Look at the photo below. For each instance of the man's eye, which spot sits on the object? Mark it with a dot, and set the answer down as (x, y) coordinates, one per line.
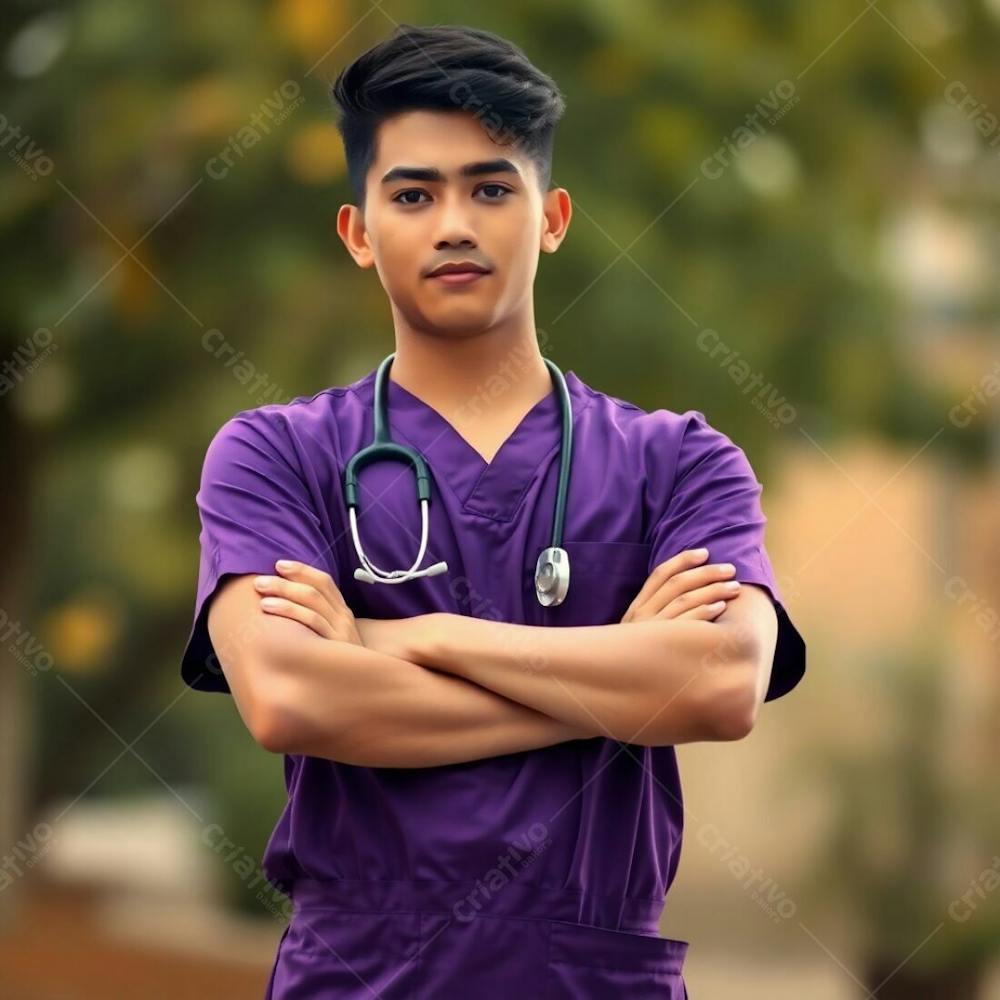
(496, 187)
(402, 195)
(500, 190)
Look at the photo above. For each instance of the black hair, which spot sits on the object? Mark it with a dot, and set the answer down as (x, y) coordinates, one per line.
(446, 67)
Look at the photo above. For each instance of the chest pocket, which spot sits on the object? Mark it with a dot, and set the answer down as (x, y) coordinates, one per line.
(604, 578)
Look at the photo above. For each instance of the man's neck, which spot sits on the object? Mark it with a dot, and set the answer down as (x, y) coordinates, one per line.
(471, 379)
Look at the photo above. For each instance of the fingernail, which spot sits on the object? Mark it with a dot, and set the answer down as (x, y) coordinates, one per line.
(728, 568)
(701, 553)
(260, 582)
(284, 564)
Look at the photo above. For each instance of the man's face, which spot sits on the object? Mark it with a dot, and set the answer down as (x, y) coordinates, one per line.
(441, 191)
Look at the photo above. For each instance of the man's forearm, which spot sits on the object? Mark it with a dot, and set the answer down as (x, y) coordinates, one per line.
(653, 682)
(356, 705)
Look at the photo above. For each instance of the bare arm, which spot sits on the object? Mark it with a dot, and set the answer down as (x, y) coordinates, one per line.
(679, 589)
(302, 693)
(650, 682)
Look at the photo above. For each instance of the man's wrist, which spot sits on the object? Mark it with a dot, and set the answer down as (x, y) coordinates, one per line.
(423, 638)
(404, 638)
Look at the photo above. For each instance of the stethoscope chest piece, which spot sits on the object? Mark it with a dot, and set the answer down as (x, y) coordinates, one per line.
(552, 576)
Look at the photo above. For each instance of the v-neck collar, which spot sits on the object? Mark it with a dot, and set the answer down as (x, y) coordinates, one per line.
(491, 489)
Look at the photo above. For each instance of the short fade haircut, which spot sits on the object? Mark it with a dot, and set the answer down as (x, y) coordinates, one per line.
(446, 67)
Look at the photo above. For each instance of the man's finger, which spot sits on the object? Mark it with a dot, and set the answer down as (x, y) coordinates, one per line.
(303, 594)
(665, 570)
(704, 612)
(292, 569)
(688, 587)
(700, 597)
(297, 612)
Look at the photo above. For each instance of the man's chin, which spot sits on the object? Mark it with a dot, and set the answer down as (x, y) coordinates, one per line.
(459, 322)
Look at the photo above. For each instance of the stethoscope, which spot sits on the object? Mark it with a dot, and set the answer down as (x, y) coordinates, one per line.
(552, 567)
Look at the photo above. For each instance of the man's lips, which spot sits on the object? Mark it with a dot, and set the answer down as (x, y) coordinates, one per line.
(458, 277)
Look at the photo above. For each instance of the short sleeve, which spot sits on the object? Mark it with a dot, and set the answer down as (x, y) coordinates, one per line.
(715, 503)
(255, 508)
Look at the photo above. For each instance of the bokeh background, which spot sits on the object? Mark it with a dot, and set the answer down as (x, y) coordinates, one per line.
(814, 187)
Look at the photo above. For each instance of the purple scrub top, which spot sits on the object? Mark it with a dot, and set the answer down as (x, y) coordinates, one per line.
(540, 873)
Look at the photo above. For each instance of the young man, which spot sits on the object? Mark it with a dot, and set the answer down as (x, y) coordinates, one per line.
(483, 796)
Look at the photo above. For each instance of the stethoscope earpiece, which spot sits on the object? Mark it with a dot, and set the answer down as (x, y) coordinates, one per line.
(552, 568)
(365, 577)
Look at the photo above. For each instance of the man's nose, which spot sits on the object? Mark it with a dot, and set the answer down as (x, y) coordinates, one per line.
(454, 224)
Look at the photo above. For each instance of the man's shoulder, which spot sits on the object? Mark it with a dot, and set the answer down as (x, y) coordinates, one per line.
(299, 407)
(306, 411)
(656, 422)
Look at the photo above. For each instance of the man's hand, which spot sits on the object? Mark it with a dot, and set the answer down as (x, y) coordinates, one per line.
(308, 595)
(681, 588)
(678, 588)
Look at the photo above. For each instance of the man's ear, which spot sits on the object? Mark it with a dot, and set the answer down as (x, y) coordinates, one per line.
(557, 210)
(351, 229)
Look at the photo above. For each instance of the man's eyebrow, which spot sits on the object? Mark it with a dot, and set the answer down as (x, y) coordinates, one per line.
(432, 174)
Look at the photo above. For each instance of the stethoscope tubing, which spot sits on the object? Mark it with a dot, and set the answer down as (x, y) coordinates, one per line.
(383, 448)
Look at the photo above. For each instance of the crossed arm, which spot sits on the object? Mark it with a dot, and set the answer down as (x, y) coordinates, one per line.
(308, 678)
